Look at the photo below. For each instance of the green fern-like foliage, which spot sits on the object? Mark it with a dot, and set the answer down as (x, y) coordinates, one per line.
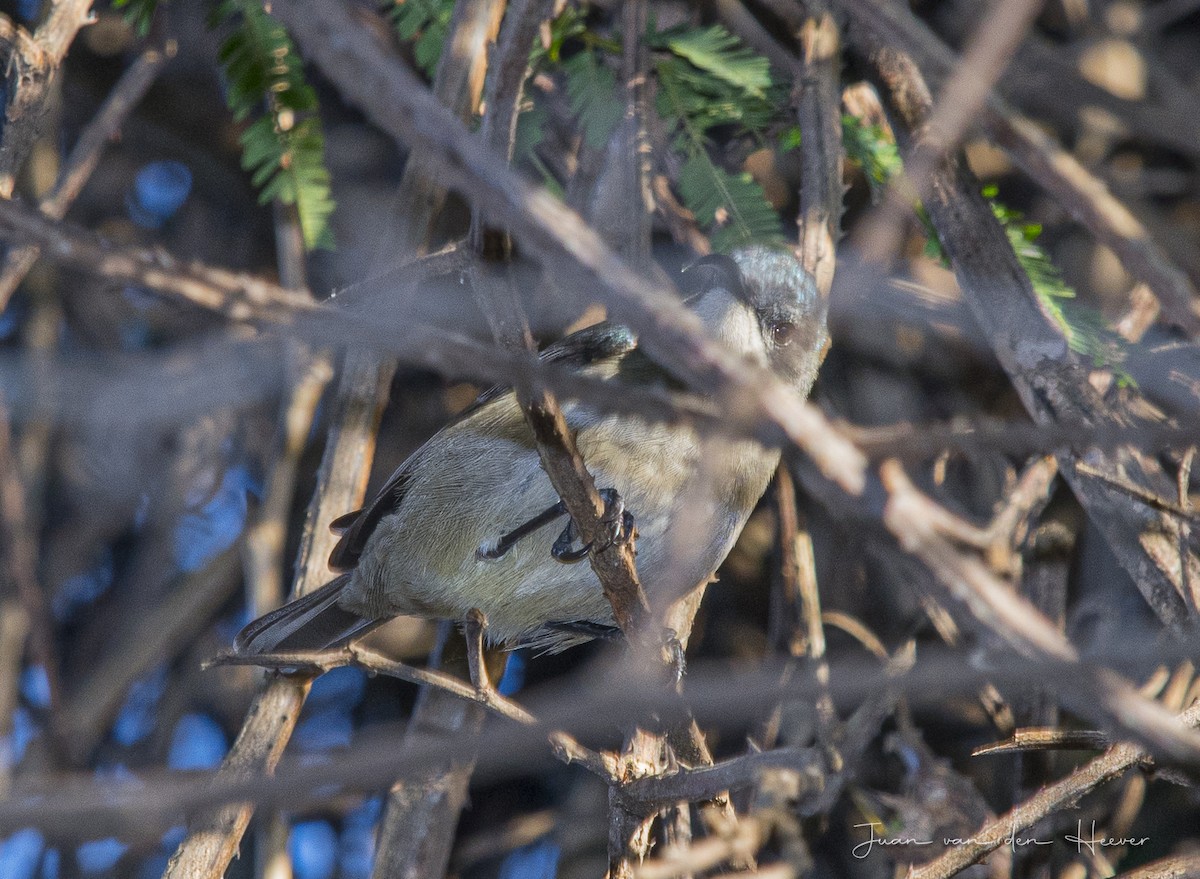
(707, 78)
(592, 91)
(876, 153)
(283, 148)
(715, 51)
(732, 206)
(873, 150)
(425, 23)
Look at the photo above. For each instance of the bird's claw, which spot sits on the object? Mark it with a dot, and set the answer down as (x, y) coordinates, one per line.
(561, 550)
(617, 520)
(619, 529)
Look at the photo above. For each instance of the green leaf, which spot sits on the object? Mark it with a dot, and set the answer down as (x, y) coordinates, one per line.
(703, 101)
(427, 22)
(873, 150)
(718, 52)
(789, 139)
(592, 92)
(283, 148)
(732, 208)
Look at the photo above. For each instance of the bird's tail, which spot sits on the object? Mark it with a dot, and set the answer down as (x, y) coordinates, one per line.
(313, 622)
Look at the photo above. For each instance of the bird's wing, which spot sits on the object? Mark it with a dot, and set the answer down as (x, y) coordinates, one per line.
(587, 347)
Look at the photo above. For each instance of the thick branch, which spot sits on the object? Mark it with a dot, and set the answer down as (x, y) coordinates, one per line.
(1051, 381)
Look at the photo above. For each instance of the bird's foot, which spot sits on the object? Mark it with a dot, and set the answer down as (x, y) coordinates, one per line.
(619, 529)
(617, 520)
(674, 654)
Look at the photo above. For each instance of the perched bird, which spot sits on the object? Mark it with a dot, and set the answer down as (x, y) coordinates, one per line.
(471, 521)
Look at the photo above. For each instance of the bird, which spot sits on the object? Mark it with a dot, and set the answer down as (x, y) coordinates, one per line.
(471, 523)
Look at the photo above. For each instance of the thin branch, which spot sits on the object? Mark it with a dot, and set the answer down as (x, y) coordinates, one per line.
(742, 845)
(14, 632)
(85, 156)
(1185, 866)
(20, 553)
(322, 661)
(1044, 739)
(646, 796)
(818, 114)
(234, 295)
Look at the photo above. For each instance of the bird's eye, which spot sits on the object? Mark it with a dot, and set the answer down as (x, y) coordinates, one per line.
(784, 332)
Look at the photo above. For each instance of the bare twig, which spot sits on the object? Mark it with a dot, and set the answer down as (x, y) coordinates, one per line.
(743, 845)
(237, 296)
(1035, 739)
(819, 117)
(14, 632)
(376, 663)
(266, 538)
(1185, 866)
(21, 558)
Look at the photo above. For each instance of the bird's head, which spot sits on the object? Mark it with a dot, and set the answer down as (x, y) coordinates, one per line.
(761, 303)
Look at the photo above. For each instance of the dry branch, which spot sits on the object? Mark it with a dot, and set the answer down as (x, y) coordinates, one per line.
(235, 295)
(85, 156)
(819, 117)
(32, 62)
